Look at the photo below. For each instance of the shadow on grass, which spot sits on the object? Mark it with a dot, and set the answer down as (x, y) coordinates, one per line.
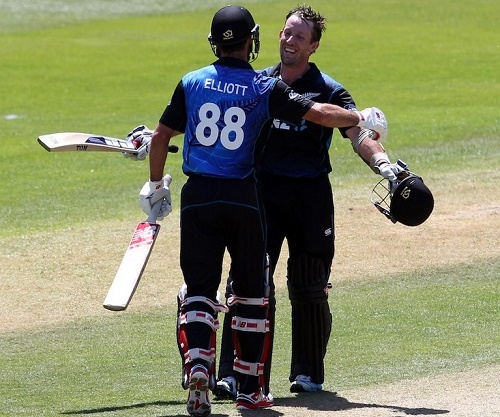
(320, 401)
(330, 401)
(139, 406)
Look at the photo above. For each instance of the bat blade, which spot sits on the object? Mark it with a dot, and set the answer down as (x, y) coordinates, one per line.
(132, 266)
(88, 142)
(75, 141)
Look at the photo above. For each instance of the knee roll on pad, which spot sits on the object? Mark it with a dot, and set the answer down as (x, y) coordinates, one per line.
(307, 279)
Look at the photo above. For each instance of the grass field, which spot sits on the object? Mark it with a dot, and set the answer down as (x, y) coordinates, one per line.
(409, 304)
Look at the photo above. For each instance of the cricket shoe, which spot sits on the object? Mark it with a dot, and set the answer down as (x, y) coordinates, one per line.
(226, 387)
(303, 383)
(254, 401)
(198, 403)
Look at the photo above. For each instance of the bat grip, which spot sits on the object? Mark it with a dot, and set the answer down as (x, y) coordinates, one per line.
(155, 210)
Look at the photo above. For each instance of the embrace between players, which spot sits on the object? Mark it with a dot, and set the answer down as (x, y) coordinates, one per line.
(257, 164)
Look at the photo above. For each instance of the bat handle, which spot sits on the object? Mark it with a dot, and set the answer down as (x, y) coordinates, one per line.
(173, 149)
(155, 210)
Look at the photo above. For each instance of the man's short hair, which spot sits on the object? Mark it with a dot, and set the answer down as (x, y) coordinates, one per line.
(306, 12)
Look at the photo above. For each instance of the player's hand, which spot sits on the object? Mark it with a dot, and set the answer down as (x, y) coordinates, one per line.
(390, 171)
(373, 119)
(140, 137)
(153, 191)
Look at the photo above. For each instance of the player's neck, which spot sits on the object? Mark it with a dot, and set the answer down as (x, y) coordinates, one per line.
(291, 73)
(243, 55)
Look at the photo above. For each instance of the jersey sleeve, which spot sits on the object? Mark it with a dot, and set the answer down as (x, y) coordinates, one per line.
(286, 104)
(342, 98)
(175, 114)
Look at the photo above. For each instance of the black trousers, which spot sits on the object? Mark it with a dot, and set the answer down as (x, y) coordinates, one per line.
(220, 214)
(300, 210)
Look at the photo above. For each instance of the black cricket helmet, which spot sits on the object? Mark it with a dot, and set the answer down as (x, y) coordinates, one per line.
(407, 200)
(231, 25)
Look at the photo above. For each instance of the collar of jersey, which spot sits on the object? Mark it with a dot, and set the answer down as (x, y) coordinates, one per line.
(233, 62)
(311, 74)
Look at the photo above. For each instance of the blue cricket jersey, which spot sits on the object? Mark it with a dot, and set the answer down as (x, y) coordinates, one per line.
(221, 109)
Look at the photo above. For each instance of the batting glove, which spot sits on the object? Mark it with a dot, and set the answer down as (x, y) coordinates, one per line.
(390, 171)
(373, 119)
(140, 137)
(153, 191)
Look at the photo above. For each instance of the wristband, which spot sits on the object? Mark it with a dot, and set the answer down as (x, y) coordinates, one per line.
(378, 159)
(156, 185)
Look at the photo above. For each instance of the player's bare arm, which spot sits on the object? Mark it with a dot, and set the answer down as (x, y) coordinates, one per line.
(367, 145)
(158, 152)
(330, 115)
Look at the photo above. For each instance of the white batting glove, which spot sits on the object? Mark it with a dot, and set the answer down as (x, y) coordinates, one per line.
(390, 171)
(140, 137)
(373, 119)
(153, 191)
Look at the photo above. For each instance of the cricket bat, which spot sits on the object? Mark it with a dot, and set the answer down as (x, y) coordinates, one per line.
(133, 263)
(75, 141)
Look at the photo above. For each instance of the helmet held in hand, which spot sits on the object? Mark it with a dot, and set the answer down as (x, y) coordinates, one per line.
(408, 201)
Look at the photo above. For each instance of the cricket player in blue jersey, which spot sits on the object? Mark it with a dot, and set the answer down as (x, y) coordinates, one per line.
(221, 109)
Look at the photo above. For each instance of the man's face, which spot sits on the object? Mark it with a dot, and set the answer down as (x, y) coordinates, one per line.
(296, 43)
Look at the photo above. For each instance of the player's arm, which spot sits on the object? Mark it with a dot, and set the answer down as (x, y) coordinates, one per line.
(285, 104)
(331, 115)
(172, 121)
(158, 151)
(371, 151)
(363, 143)
(157, 187)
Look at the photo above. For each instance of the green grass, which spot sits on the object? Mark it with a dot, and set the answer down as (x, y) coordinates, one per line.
(432, 74)
(408, 326)
(105, 67)
(402, 327)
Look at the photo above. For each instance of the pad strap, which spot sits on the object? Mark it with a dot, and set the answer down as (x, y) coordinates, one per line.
(250, 325)
(216, 306)
(248, 368)
(199, 316)
(196, 353)
(234, 299)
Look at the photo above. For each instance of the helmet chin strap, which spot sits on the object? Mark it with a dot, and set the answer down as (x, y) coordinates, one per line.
(254, 51)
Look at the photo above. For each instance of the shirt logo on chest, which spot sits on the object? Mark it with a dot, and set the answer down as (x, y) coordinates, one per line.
(310, 96)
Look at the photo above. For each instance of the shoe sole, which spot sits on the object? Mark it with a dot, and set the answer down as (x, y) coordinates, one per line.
(198, 404)
(246, 406)
(243, 404)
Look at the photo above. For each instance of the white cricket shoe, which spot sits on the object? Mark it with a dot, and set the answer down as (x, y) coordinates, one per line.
(198, 403)
(303, 383)
(226, 387)
(254, 401)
